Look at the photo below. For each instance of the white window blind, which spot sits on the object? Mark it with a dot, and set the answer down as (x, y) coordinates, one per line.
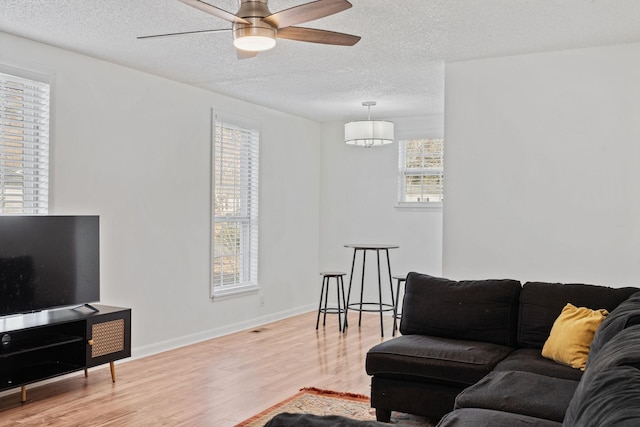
(235, 207)
(421, 171)
(24, 145)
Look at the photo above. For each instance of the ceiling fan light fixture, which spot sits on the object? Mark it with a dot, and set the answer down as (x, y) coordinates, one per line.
(254, 39)
(369, 133)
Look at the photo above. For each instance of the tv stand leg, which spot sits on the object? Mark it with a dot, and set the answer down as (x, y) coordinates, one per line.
(23, 394)
(112, 367)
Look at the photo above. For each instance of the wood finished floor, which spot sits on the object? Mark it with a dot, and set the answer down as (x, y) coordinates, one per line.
(219, 382)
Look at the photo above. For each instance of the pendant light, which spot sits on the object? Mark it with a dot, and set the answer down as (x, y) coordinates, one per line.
(368, 133)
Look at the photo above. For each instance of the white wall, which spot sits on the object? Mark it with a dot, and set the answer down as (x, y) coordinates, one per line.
(358, 198)
(134, 149)
(543, 167)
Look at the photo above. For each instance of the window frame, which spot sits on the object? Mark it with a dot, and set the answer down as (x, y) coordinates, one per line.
(39, 146)
(402, 172)
(248, 220)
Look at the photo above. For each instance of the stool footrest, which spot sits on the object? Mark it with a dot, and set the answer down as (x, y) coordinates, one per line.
(355, 306)
(332, 310)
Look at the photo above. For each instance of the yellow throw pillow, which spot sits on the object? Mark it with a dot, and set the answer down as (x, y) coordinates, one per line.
(571, 335)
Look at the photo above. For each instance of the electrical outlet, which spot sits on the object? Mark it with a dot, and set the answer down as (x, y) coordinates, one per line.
(261, 300)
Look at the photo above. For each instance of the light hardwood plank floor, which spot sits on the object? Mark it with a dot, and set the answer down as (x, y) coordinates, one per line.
(219, 382)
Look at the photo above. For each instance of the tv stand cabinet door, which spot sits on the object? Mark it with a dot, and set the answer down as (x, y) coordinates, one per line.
(108, 336)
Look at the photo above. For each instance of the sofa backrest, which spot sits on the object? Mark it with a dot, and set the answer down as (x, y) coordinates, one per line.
(625, 315)
(476, 310)
(609, 392)
(541, 303)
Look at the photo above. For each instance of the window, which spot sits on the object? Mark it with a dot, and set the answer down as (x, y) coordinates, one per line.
(421, 172)
(235, 207)
(24, 145)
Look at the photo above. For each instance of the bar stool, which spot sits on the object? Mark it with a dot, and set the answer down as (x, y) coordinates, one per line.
(324, 292)
(397, 315)
(362, 306)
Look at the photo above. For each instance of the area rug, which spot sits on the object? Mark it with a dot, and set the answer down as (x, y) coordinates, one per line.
(326, 402)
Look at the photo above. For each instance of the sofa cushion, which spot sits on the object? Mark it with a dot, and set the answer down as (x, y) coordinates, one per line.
(475, 310)
(541, 303)
(571, 335)
(477, 417)
(530, 360)
(626, 314)
(433, 358)
(607, 398)
(520, 392)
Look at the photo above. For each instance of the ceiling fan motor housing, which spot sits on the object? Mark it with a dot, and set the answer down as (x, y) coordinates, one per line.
(253, 11)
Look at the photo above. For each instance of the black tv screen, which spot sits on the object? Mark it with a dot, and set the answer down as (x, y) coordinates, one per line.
(48, 262)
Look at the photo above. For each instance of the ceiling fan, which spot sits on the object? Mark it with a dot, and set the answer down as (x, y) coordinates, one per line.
(255, 28)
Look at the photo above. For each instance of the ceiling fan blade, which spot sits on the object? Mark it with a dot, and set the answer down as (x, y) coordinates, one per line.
(215, 11)
(245, 54)
(313, 35)
(154, 36)
(306, 12)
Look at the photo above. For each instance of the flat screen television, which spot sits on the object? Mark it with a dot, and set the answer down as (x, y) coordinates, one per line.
(48, 262)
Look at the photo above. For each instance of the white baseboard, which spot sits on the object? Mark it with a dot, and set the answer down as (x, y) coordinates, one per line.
(148, 350)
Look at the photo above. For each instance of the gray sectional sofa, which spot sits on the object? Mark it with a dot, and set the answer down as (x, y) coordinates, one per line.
(470, 355)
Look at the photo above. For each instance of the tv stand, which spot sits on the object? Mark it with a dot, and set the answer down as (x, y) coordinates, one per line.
(43, 345)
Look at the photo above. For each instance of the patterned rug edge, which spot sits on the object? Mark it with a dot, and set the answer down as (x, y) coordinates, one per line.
(312, 390)
(342, 394)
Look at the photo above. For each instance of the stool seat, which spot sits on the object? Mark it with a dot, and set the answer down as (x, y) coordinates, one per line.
(324, 292)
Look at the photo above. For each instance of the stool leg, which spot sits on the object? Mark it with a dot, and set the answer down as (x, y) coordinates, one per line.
(339, 304)
(346, 311)
(380, 295)
(320, 304)
(326, 297)
(395, 309)
(390, 278)
(364, 258)
(344, 302)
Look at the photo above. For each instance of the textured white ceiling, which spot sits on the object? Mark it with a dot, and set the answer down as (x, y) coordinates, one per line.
(399, 62)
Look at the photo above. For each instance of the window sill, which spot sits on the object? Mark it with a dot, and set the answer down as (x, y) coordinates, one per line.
(234, 291)
(436, 206)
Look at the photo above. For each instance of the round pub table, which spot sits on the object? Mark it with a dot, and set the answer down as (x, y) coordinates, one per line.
(361, 306)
